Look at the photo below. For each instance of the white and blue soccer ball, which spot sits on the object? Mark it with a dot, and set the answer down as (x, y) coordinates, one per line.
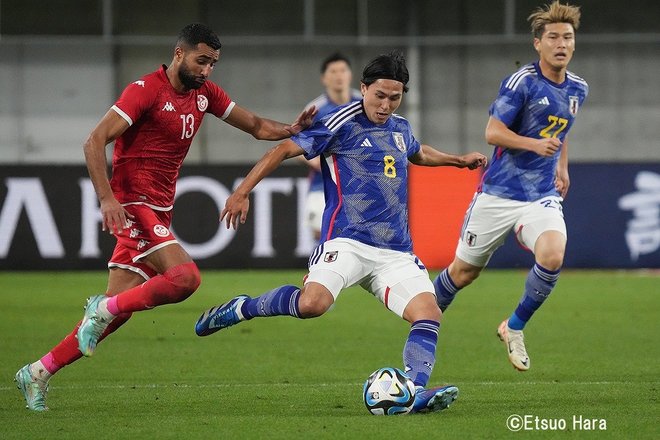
(389, 391)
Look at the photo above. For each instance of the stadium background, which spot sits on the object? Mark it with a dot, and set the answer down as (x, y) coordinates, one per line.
(65, 62)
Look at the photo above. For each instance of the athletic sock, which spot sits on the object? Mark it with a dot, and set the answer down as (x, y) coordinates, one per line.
(174, 285)
(111, 305)
(445, 289)
(67, 352)
(419, 351)
(44, 368)
(539, 285)
(282, 300)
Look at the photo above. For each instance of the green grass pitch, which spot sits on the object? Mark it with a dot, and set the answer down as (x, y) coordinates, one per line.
(594, 350)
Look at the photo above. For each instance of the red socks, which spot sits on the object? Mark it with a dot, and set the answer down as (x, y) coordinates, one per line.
(175, 285)
(67, 350)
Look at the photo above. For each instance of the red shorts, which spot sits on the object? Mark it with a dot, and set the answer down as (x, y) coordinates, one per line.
(147, 232)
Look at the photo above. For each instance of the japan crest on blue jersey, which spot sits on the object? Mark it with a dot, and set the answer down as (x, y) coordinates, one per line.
(365, 175)
(531, 106)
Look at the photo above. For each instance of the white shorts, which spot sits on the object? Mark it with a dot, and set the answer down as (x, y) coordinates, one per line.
(489, 219)
(393, 277)
(314, 206)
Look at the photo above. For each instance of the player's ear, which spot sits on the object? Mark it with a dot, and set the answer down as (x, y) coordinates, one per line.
(178, 53)
(363, 88)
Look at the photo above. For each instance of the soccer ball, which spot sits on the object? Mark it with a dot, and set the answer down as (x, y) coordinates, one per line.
(389, 391)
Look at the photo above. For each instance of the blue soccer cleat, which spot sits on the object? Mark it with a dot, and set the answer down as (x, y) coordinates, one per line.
(220, 317)
(92, 326)
(33, 389)
(434, 399)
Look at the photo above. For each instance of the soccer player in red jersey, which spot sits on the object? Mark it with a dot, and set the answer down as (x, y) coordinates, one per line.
(152, 123)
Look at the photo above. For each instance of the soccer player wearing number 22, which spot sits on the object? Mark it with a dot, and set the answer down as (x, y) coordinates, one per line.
(153, 124)
(527, 179)
(365, 149)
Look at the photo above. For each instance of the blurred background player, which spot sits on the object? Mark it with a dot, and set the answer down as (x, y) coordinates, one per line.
(527, 179)
(152, 123)
(365, 149)
(336, 77)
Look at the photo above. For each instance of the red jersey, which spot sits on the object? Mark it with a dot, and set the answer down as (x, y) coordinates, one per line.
(163, 122)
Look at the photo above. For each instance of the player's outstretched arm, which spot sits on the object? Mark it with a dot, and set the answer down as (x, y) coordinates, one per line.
(499, 135)
(430, 157)
(108, 129)
(267, 129)
(238, 203)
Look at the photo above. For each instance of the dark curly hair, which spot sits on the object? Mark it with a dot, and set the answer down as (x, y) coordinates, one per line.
(195, 33)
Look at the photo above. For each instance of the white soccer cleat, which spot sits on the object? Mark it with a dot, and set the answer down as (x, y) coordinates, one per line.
(515, 346)
(34, 390)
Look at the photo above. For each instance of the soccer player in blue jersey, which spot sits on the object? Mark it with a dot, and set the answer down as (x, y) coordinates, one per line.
(336, 77)
(525, 183)
(365, 148)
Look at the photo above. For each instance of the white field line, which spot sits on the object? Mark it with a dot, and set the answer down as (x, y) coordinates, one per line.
(330, 385)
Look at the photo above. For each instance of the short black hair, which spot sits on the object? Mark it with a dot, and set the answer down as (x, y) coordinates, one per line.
(196, 33)
(391, 65)
(333, 59)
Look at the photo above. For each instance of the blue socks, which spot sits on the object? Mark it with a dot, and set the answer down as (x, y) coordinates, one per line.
(540, 282)
(538, 286)
(419, 351)
(445, 290)
(282, 300)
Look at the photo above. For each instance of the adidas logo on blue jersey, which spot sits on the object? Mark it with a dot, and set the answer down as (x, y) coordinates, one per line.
(366, 143)
(544, 101)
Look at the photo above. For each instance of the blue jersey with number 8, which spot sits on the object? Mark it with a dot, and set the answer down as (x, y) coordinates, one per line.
(365, 176)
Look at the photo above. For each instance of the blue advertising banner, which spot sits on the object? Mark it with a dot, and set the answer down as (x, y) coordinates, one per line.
(612, 214)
